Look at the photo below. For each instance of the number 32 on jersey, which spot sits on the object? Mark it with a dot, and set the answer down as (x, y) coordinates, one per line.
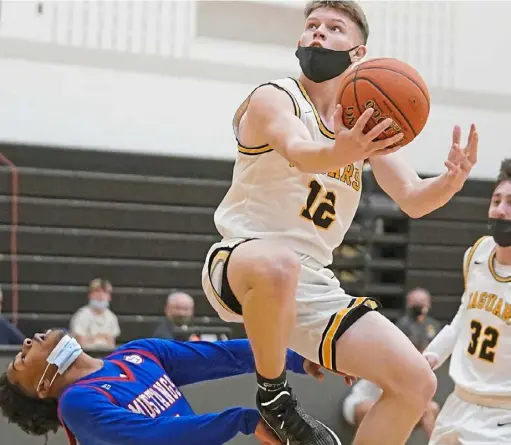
(483, 342)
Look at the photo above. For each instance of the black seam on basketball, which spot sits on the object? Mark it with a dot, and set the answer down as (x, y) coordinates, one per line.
(355, 91)
(406, 77)
(392, 102)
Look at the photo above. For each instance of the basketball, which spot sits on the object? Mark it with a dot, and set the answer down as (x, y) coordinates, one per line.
(393, 89)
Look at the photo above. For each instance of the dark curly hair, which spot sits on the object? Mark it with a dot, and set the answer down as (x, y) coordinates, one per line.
(34, 416)
(505, 172)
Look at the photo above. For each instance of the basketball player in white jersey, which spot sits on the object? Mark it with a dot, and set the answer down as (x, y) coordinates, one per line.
(295, 190)
(479, 337)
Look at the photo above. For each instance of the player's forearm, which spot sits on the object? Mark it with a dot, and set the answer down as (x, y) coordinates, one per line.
(425, 196)
(118, 426)
(312, 156)
(193, 362)
(442, 345)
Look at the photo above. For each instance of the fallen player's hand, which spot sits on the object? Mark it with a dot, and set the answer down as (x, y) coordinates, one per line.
(265, 436)
(317, 371)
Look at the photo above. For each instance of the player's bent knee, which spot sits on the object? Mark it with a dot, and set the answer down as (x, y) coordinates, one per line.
(413, 381)
(265, 268)
(277, 272)
(419, 386)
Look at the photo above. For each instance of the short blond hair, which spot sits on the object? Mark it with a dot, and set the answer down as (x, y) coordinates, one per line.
(349, 7)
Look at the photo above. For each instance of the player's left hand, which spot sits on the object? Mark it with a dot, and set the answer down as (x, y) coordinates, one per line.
(318, 372)
(461, 160)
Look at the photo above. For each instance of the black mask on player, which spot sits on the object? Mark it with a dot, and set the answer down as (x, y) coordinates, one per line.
(321, 64)
(500, 229)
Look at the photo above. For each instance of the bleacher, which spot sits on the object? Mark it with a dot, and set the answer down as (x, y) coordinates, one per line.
(438, 242)
(145, 222)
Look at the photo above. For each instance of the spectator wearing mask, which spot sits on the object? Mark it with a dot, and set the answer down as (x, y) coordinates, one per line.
(95, 326)
(418, 326)
(9, 334)
(179, 311)
(420, 329)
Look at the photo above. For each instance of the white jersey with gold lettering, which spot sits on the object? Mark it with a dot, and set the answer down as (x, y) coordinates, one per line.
(310, 213)
(271, 199)
(478, 412)
(481, 359)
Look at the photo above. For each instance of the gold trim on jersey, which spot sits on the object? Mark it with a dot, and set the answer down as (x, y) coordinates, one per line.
(252, 151)
(470, 255)
(322, 127)
(261, 149)
(336, 327)
(220, 256)
(491, 265)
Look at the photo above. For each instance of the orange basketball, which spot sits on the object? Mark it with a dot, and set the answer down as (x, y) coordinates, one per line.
(394, 89)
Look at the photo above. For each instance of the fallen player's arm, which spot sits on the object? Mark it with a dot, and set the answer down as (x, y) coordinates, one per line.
(191, 362)
(271, 119)
(98, 418)
(415, 196)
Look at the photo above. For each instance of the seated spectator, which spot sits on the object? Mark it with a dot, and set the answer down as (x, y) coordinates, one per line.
(179, 311)
(95, 326)
(178, 323)
(418, 326)
(9, 334)
(420, 329)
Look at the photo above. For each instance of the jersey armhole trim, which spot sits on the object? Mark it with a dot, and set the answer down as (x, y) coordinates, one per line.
(470, 255)
(322, 127)
(261, 149)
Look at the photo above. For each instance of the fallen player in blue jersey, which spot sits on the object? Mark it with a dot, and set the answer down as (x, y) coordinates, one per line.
(131, 397)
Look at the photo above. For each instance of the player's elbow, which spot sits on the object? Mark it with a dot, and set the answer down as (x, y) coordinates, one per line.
(410, 207)
(412, 211)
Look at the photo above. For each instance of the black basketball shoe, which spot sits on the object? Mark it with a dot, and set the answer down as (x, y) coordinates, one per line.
(281, 412)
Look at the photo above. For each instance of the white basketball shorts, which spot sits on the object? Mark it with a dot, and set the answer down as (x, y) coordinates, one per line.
(464, 423)
(324, 310)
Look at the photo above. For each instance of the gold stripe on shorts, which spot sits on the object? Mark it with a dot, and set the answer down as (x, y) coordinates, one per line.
(336, 327)
(219, 257)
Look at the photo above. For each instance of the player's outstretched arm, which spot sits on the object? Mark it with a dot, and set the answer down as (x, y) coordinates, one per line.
(441, 347)
(418, 197)
(192, 362)
(90, 414)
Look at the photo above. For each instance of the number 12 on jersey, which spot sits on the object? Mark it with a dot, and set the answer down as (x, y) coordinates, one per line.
(483, 341)
(320, 206)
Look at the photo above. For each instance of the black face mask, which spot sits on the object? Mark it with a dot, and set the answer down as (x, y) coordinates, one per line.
(416, 311)
(500, 229)
(181, 320)
(321, 64)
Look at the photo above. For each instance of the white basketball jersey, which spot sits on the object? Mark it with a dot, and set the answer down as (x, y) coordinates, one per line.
(481, 360)
(271, 199)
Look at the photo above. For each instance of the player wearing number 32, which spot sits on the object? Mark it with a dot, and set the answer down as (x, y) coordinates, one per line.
(479, 337)
(295, 190)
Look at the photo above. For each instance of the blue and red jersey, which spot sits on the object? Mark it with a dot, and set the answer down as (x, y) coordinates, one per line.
(135, 398)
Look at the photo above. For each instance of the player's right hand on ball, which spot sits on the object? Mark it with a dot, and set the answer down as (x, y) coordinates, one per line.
(353, 145)
(264, 435)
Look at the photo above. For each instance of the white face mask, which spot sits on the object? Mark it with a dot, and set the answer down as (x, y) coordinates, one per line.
(63, 356)
(99, 304)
